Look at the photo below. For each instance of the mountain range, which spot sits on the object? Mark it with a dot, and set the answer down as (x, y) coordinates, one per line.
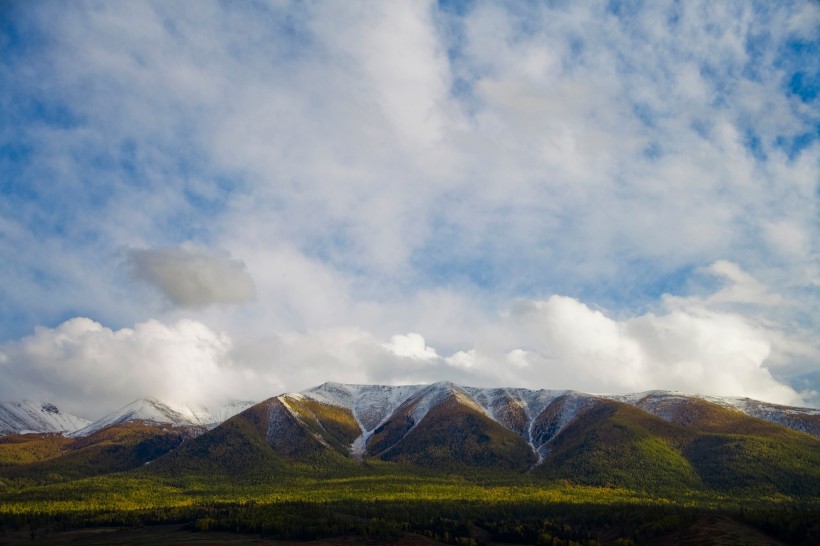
(370, 403)
(644, 441)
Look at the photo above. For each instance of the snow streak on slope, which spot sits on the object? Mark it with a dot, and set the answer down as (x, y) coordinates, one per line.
(538, 416)
(370, 405)
(514, 408)
(26, 416)
(557, 416)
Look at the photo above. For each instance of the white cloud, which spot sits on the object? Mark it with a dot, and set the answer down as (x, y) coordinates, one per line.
(692, 350)
(193, 277)
(410, 346)
(404, 169)
(695, 345)
(91, 369)
(742, 288)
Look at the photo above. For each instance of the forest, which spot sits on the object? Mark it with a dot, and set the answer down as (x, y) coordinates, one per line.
(381, 501)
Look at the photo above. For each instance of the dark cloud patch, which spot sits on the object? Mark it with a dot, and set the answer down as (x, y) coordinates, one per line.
(190, 276)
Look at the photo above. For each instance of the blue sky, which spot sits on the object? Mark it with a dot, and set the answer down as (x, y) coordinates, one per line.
(258, 197)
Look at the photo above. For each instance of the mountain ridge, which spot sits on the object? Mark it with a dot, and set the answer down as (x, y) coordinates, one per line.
(654, 441)
(523, 407)
(155, 411)
(515, 408)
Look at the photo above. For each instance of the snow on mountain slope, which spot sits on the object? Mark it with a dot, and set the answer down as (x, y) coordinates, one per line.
(211, 417)
(667, 404)
(155, 411)
(421, 402)
(803, 419)
(537, 416)
(226, 411)
(515, 408)
(26, 416)
(144, 409)
(370, 405)
(557, 416)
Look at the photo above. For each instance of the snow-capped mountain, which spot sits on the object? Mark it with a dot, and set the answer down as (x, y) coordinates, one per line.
(222, 413)
(670, 405)
(26, 416)
(370, 405)
(654, 437)
(537, 416)
(154, 411)
(558, 433)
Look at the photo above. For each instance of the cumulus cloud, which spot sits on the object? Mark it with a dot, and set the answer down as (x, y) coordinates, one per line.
(92, 369)
(694, 345)
(190, 276)
(410, 346)
(694, 350)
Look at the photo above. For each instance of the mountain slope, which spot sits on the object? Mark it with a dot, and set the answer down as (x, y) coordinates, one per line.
(152, 410)
(26, 416)
(699, 445)
(675, 407)
(654, 441)
(369, 405)
(145, 409)
(18, 449)
(115, 448)
(614, 444)
(441, 426)
(266, 438)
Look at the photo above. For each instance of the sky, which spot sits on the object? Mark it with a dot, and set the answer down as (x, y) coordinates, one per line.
(230, 200)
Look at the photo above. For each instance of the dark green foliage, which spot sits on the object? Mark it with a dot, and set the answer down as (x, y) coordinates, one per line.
(794, 525)
(237, 446)
(450, 522)
(615, 445)
(731, 462)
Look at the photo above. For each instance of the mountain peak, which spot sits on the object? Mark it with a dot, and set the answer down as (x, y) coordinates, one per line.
(152, 410)
(29, 416)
